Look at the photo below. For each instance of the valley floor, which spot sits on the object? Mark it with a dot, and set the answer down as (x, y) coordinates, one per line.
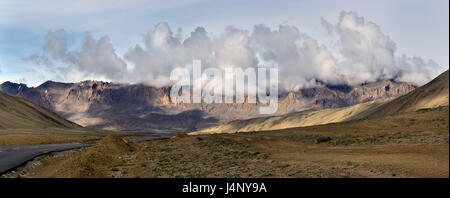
(48, 136)
(408, 145)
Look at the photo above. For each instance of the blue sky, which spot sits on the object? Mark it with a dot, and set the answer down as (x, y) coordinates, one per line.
(418, 27)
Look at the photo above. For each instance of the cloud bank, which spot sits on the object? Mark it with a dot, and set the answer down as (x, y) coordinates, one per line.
(368, 54)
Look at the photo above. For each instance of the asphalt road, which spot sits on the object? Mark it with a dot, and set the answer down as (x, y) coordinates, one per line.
(13, 156)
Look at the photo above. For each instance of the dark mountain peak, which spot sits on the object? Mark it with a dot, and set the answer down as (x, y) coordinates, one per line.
(386, 83)
(342, 88)
(12, 88)
(9, 83)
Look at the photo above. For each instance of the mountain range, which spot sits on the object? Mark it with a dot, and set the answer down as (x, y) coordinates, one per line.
(432, 95)
(139, 107)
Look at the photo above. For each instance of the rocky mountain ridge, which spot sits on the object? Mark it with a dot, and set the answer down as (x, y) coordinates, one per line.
(138, 107)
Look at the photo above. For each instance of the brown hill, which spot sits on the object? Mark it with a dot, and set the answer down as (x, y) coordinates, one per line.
(18, 113)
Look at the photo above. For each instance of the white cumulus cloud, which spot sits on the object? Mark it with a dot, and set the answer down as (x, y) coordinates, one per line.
(368, 55)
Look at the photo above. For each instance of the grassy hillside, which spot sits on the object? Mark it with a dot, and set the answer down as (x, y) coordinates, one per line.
(298, 119)
(17, 113)
(431, 95)
(22, 122)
